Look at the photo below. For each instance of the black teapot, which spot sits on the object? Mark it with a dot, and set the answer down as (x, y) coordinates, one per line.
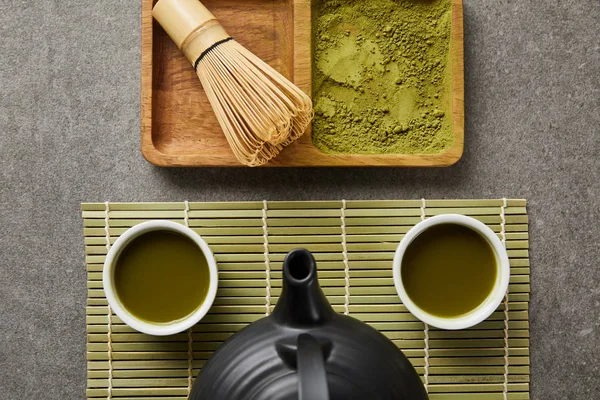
(306, 351)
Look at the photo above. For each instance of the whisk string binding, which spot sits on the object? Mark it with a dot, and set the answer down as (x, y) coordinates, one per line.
(208, 50)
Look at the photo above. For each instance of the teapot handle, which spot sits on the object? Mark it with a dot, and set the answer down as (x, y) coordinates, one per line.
(312, 376)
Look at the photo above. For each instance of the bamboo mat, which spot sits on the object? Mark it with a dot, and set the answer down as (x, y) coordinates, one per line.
(353, 243)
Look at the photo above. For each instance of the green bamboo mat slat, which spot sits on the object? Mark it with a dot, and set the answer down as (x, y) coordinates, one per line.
(471, 364)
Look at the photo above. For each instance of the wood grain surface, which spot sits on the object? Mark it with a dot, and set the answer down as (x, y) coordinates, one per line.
(178, 126)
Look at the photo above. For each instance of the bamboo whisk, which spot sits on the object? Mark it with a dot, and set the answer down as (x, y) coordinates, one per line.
(259, 110)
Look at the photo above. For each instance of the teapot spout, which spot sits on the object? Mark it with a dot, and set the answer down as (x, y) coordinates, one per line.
(302, 302)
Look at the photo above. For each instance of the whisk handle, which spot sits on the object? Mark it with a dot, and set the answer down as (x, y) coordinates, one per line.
(181, 18)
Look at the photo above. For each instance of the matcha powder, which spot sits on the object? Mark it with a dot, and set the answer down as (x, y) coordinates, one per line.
(381, 76)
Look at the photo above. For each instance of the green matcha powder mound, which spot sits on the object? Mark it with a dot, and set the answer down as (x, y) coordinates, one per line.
(381, 76)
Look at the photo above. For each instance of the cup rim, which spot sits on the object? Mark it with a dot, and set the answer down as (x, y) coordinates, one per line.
(493, 300)
(141, 325)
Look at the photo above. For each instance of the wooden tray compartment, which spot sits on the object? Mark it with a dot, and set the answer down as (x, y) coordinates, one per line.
(178, 127)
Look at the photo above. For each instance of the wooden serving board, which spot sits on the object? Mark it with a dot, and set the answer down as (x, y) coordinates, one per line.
(178, 127)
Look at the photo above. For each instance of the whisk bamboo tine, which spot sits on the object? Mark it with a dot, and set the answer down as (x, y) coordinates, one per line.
(273, 74)
(247, 139)
(259, 110)
(278, 128)
(277, 95)
(276, 108)
(260, 107)
(244, 146)
(235, 95)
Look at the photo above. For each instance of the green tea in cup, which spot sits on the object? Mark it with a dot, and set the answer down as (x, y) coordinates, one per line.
(451, 271)
(160, 277)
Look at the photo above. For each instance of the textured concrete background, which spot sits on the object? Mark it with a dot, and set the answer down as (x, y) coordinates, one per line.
(69, 107)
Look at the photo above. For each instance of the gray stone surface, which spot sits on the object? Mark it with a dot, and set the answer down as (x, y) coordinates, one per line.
(69, 106)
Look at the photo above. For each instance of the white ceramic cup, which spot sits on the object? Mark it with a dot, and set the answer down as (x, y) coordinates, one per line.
(126, 316)
(489, 305)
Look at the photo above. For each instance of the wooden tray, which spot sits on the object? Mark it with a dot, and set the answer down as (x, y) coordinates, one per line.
(178, 127)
